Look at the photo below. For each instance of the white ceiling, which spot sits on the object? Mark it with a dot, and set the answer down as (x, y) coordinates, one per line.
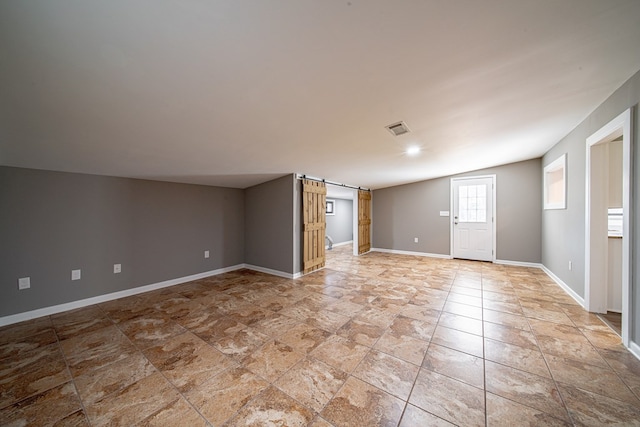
(234, 93)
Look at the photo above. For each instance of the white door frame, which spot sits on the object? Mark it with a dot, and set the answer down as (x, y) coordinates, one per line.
(595, 244)
(494, 251)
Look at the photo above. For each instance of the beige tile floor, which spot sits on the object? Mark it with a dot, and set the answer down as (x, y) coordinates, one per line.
(378, 340)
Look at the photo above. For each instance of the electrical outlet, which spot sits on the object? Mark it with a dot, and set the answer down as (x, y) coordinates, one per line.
(570, 265)
(24, 283)
(117, 268)
(206, 254)
(76, 274)
(415, 240)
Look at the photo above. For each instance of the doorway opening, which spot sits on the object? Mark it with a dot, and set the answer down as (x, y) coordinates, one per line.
(607, 250)
(473, 207)
(342, 220)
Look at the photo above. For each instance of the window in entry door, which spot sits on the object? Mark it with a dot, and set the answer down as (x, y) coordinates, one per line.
(472, 203)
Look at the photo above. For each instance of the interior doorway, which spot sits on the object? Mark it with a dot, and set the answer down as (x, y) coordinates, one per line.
(473, 223)
(597, 201)
(341, 217)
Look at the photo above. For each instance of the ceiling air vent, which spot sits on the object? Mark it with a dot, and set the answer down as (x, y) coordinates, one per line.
(398, 129)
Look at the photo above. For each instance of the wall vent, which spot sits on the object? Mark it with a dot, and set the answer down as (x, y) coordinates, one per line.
(398, 129)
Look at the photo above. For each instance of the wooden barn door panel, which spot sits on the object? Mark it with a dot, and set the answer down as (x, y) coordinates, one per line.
(314, 196)
(364, 222)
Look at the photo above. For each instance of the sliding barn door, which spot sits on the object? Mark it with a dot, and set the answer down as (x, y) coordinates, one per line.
(364, 221)
(314, 196)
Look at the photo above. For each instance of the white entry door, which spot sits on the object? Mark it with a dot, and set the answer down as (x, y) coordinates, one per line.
(473, 218)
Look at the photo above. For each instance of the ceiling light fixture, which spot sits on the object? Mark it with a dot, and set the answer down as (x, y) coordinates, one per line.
(413, 150)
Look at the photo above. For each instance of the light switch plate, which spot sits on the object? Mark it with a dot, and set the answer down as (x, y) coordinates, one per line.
(206, 254)
(76, 274)
(444, 213)
(117, 268)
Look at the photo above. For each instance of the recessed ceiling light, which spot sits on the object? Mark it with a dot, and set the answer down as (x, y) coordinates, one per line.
(413, 150)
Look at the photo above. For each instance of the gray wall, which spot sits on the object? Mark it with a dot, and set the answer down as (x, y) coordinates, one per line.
(53, 222)
(340, 225)
(404, 212)
(269, 224)
(563, 230)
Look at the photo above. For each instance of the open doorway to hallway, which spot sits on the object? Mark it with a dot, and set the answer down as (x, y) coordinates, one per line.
(341, 218)
(607, 222)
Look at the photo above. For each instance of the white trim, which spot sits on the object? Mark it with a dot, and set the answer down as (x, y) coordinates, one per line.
(296, 223)
(619, 126)
(564, 286)
(557, 164)
(54, 309)
(549, 273)
(451, 218)
(354, 221)
(634, 349)
(269, 271)
(518, 263)
(300, 274)
(399, 252)
(335, 245)
(494, 243)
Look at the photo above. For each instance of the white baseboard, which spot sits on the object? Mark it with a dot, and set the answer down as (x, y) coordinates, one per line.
(518, 263)
(399, 252)
(47, 311)
(54, 309)
(564, 286)
(270, 271)
(634, 349)
(301, 274)
(335, 245)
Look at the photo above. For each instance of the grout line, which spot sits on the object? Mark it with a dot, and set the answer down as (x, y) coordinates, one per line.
(421, 367)
(484, 357)
(609, 325)
(369, 352)
(544, 357)
(597, 350)
(159, 371)
(73, 380)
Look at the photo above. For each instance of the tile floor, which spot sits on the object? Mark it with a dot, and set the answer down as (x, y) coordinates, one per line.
(614, 320)
(378, 340)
